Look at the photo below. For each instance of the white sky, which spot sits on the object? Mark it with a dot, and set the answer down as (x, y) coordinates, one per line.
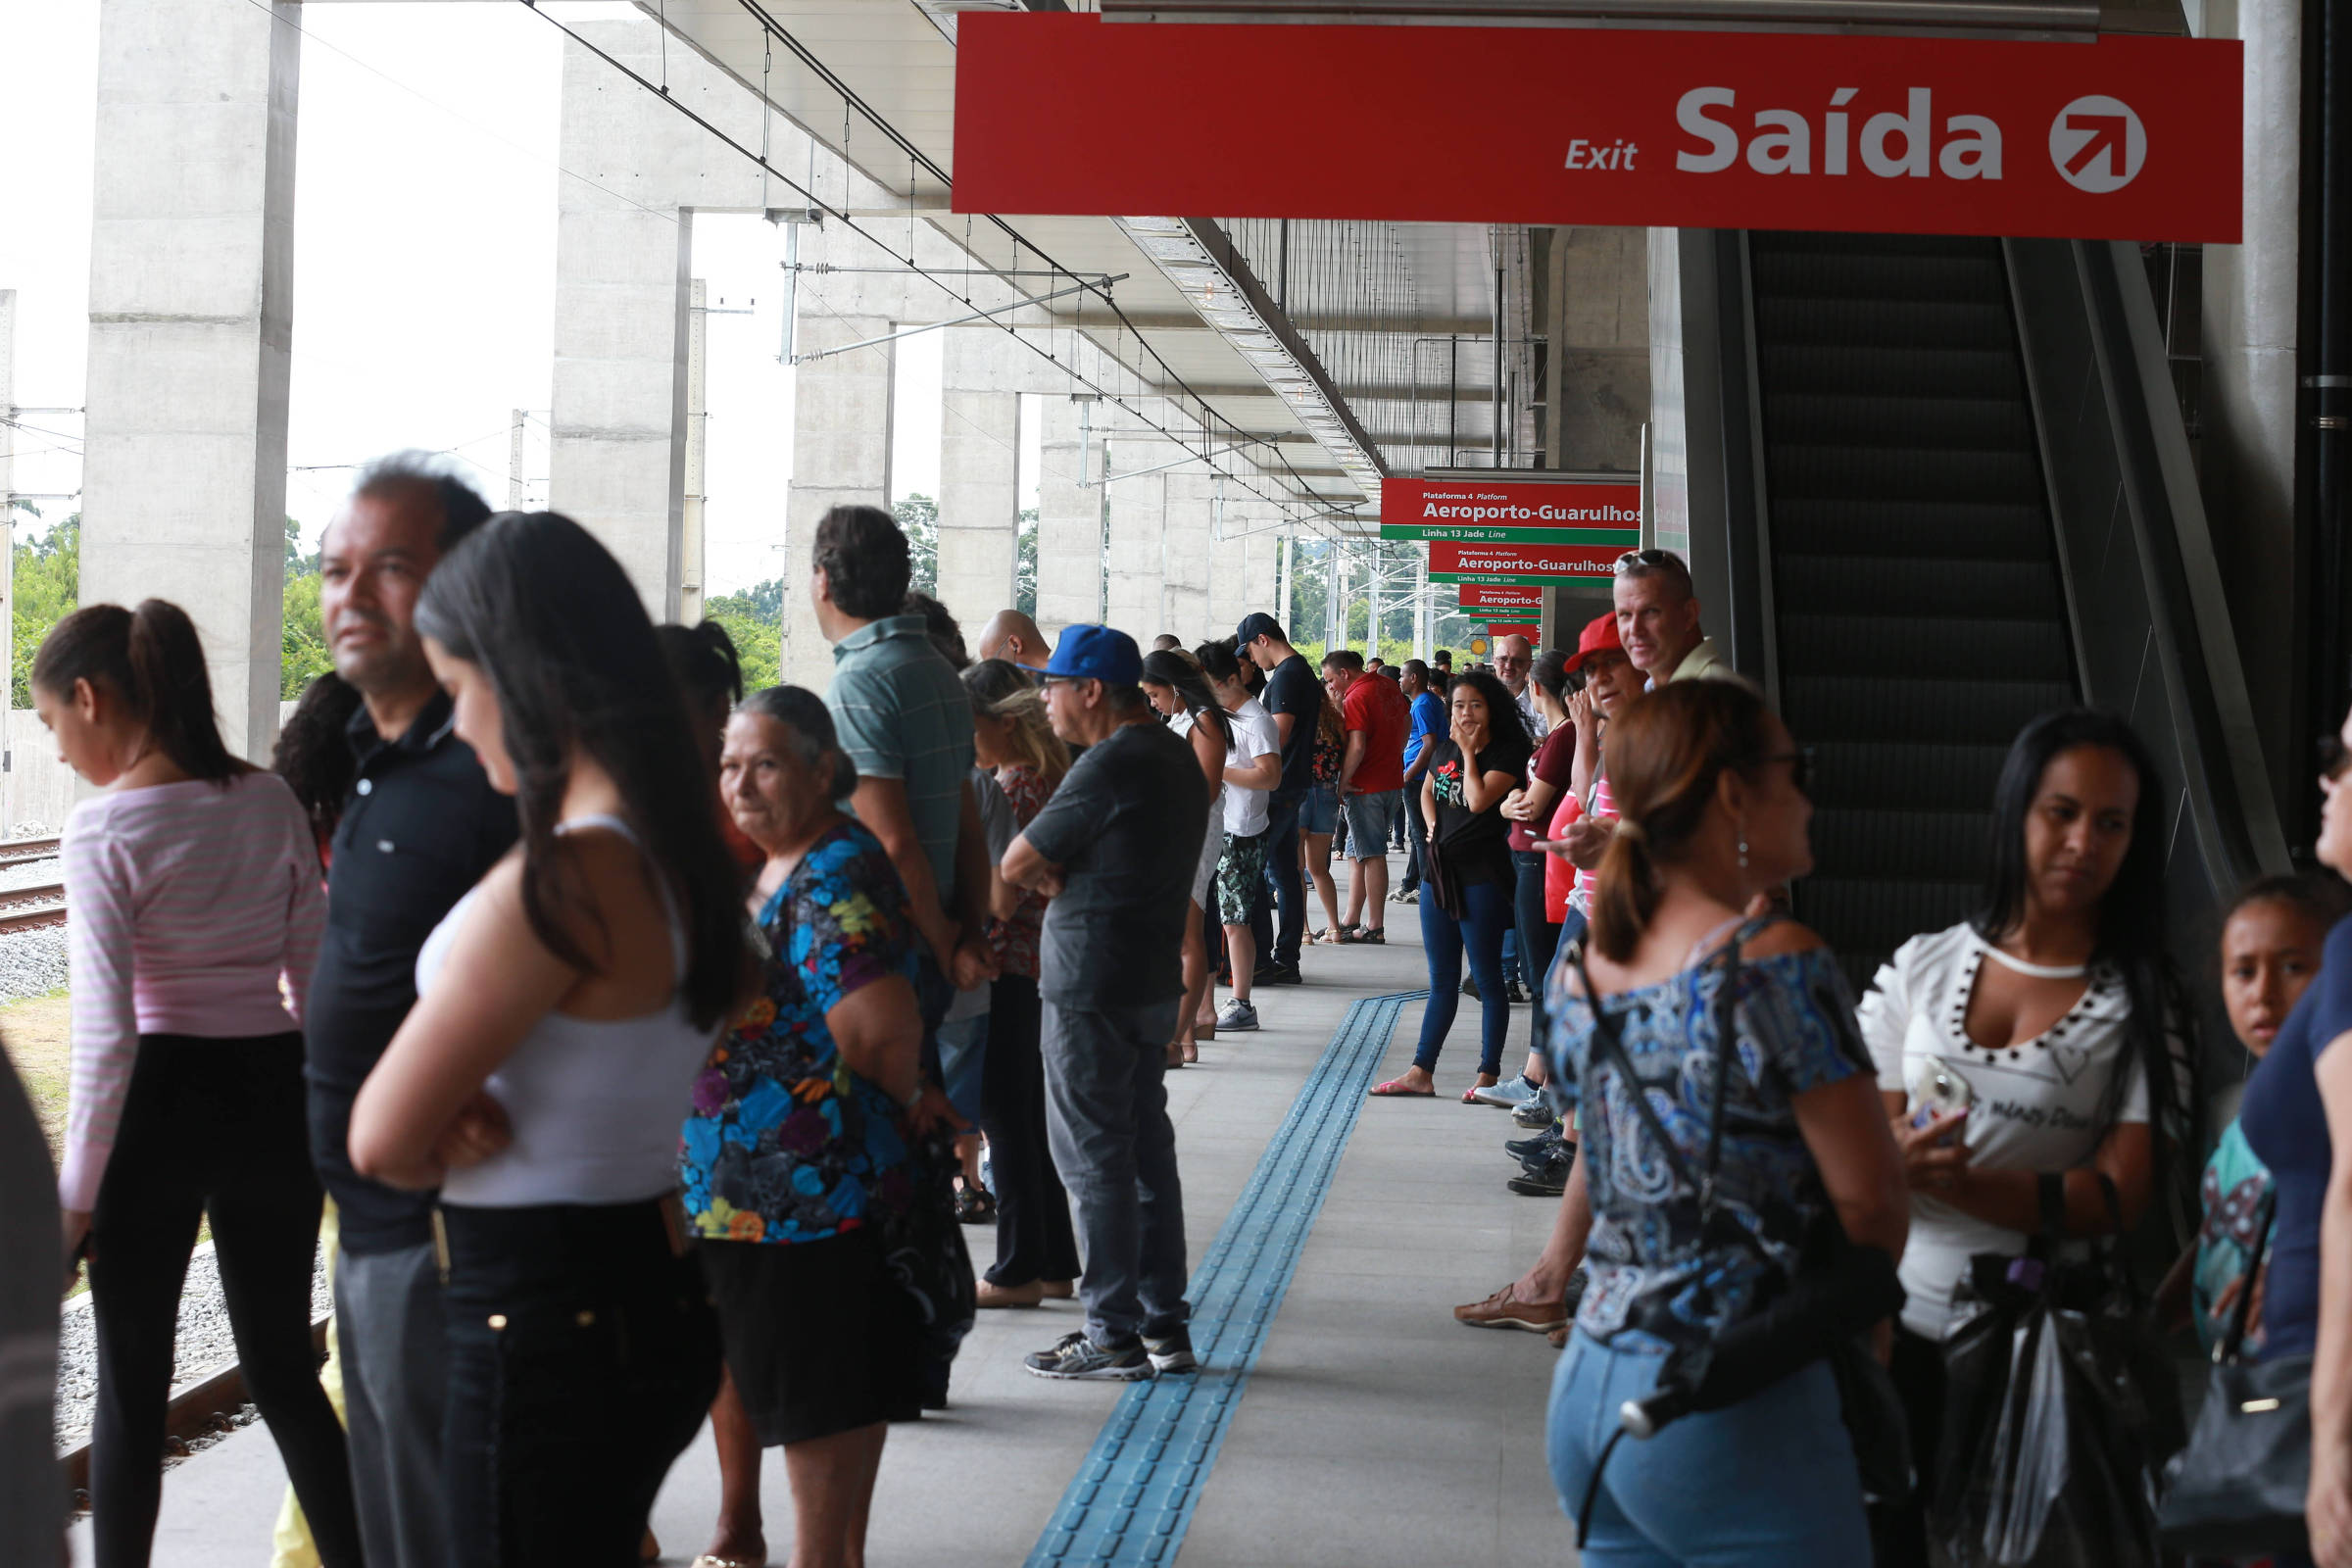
(424, 266)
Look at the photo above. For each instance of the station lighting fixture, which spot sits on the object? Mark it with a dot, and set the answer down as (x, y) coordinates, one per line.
(1279, 357)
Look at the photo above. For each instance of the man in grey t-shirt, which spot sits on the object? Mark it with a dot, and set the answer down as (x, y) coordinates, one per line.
(1115, 847)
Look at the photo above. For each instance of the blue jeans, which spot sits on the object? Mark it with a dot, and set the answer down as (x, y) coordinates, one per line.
(1478, 936)
(1768, 1483)
(1539, 939)
(963, 1060)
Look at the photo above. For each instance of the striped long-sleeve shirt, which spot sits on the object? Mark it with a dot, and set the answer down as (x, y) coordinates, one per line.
(188, 902)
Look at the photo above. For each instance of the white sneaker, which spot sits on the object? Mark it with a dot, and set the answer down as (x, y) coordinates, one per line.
(1518, 1092)
(1238, 1015)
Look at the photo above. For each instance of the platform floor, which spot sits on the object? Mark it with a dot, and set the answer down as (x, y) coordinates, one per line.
(1373, 1430)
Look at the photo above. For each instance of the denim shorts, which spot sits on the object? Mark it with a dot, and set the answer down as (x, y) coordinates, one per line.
(1370, 818)
(1319, 812)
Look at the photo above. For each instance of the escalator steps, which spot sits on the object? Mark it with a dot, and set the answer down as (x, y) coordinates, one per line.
(1930, 647)
(1908, 585)
(1939, 530)
(1857, 708)
(1888, 472)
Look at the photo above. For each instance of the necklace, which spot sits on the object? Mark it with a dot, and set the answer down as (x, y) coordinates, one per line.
(2036, 971)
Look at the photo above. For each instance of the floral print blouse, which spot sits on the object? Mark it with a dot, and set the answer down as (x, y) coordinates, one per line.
(785, 1142)
(1661, 1278)
(1015, 939)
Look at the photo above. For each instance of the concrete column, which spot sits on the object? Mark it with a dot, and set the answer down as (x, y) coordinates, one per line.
(979, 473)
(1138, 534)
(2249, 320)
(840, 457)
(635, 172)
(1598, 294)
(1186, 554)
(1242, 569)
(192, 316)
(1069, 518)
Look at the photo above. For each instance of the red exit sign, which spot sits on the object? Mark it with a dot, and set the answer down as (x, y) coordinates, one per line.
(2122, 138)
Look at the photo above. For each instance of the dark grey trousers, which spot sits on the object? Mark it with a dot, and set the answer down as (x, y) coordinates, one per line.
(1106, 1120)
(390, 1332)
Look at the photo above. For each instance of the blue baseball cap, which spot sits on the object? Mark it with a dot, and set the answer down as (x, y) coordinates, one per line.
(1096, 652)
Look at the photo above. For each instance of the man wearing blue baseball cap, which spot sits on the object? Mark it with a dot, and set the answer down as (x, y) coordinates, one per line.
(1115, 849)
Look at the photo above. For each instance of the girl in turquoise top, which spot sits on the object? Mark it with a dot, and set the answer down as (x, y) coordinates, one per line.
(2271, 941)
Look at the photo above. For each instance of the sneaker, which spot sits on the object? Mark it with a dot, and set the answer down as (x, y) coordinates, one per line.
(1536, 1113)
(1238, 1015)
(1264, 972)
(1512, 994)
(1518, 1092)
(1171, 1354)
(1547, 1178)
(1285, 975)
(1074, 1357)
(1470, 987)
(1527, 1149)
(1407, 893)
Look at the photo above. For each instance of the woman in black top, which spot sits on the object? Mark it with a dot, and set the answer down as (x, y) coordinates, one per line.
(1466, 905)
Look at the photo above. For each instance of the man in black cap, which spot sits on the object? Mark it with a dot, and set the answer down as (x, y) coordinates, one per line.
(1115, 849)
(1295, 696)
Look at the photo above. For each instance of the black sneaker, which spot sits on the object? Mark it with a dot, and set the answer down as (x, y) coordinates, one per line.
(1470, 987)
(1512, 994)
(1545, 1184)
(1284, 974)
(1526, 1149)
(1172, 1352)
(1075, 1356)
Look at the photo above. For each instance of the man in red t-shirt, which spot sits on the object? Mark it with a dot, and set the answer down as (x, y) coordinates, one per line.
(1371, 784)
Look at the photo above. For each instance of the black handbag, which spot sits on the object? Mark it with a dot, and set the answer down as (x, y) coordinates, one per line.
(2238, 1489)
(2060, 1408)
(1823, 1310)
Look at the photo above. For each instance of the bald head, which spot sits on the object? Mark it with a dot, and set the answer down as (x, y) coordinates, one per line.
(1513, 657)
(1011, 635)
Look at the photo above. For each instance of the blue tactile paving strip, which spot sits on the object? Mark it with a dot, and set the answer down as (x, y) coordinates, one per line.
(1134, 1495)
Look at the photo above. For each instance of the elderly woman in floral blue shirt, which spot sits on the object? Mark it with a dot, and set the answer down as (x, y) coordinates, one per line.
(797, 1152)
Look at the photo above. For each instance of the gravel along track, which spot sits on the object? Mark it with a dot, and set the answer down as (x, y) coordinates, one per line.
(33, 962)
(205, 1345)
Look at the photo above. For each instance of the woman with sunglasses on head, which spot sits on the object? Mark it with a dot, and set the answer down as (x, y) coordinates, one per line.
(564, 1010)
(1466, 894)
(1685, 1242)
(2039, 1036)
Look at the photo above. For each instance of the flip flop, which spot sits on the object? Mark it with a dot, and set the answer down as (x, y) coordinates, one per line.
(1398, 1089)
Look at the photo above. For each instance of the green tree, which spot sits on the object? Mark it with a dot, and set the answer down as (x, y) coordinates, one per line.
(918, 516)
(302, 645)
(48, 589)
(1024, 566)
(750, 620)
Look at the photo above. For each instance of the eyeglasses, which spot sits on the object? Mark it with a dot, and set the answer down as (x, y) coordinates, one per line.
(1800, 768)
(1645, 561)
(2334, 761)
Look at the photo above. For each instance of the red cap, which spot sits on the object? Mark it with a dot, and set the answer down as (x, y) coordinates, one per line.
(1599, 634)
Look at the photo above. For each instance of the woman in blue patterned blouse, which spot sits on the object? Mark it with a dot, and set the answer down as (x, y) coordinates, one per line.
(796, 1152)
(1712, 811)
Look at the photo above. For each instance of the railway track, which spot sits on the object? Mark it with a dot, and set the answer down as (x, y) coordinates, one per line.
(205, 1407)
(26, 908)
(22, 852)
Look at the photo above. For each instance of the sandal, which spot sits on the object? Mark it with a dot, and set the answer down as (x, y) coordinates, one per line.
(974, 1206)
(1191, 1053)
(1399, 1089)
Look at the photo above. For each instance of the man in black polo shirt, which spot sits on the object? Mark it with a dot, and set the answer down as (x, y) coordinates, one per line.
(421, 827)
(1295, 696)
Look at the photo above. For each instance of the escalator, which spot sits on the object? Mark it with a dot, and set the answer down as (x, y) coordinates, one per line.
(1955, 493)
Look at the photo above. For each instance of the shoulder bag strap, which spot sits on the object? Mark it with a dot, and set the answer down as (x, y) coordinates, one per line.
(2228, 1349)
(1605, 1028)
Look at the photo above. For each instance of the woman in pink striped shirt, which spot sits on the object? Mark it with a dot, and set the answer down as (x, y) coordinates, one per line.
(194, 889)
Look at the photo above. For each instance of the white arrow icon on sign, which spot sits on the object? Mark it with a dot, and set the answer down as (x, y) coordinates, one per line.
(2098, 144)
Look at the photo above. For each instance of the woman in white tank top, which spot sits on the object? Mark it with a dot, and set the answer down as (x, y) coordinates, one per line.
(564, 1008)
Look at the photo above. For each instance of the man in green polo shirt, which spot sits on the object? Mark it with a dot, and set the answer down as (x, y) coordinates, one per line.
(902, 717)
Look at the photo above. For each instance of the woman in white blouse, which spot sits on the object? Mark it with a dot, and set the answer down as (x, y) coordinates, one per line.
(2033, 1038)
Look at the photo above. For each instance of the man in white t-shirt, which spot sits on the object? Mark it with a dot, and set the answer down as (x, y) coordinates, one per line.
(1252, 769)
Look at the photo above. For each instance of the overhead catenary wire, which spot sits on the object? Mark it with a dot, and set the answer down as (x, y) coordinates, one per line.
(1209, 418)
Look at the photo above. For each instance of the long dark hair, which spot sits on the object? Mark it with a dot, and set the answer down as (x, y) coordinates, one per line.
(1172, 668)
(557, 627)
(1666, 750)
(314, 753)
(2131, 924)
(153, 662)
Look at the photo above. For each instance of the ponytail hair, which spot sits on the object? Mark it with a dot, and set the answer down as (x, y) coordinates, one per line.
(1666, 752)
(153, 662)
(805, 714)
